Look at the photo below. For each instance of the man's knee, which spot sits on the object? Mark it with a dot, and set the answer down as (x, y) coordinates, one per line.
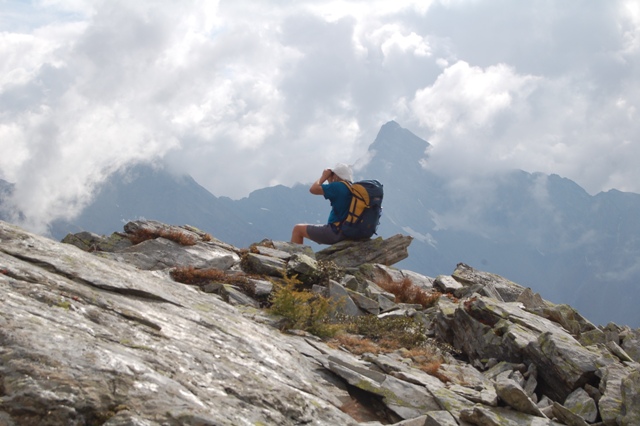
(298, 233)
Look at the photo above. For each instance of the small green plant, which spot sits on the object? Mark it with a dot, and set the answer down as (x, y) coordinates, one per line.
(303, 309)
(64, 304)
(389, 332)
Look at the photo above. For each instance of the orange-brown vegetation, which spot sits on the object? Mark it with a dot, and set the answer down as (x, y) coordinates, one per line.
(425, 357)
(355, 344)
(406, 292)
(191, 275)
(179, 237)
(195, 276)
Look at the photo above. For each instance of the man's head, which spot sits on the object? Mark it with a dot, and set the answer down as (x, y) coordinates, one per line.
(343, 171)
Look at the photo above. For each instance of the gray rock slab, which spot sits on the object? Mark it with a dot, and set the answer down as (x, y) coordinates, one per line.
(486, 396)
(508, 290)
(351, 254)
(235, 297)
(498, 416)
(82, 336)
(292, 248)
(567, 417)
(419, 280)
(514, 396)
(302, 265)
(262, 288)
(446, 284)
(341, 297)
(630, 389)
(631, 344)
(440, 418)
(580, 403)
(265, 265)
(363, 302)
(451, 401)
(160, 253)
(405, 399)
(563, 364)
(271, 252)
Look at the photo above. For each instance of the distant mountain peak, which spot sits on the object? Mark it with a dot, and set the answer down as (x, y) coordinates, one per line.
(392, 133)
(391, 124)
(398, 145)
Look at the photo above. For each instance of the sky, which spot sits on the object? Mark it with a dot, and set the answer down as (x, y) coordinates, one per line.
(245, 94)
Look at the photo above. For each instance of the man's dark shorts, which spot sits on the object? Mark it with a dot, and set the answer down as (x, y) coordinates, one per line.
(324, 234)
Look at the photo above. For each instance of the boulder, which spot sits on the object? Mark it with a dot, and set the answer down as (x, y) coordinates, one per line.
(514, 396)
(264, 265)
(161, 253)
(304, 266)
(91, 242)
(630, 389)
(351, 254)
(611, 404)
(447, 284)
(581, 404)
(498, 416)
(563, 364)
(631, 344)
(567, 416)
(508, 290)
(405, 399)
(340, 296)
(440, 418)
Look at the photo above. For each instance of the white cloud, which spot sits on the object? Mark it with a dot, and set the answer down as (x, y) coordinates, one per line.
(244, 94)
(468, 111)
(630, 23)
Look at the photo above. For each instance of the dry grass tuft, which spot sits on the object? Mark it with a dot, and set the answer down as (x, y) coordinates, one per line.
(407, 292)
(200, 277)
(179, 237)
(427, 359)
(431, 368)
(355, 344)
(191, 275)
(424, 357)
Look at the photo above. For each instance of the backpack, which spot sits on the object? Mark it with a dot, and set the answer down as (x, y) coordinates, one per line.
(365, 209)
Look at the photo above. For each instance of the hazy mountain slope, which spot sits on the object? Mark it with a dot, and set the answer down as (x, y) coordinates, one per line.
(6, 190)
(541, 231)
(275, 210)
(146, 192)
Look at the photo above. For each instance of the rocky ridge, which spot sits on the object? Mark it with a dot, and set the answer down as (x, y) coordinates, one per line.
(97, 331)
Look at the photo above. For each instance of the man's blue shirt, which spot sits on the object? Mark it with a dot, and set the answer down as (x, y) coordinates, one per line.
(340, 197)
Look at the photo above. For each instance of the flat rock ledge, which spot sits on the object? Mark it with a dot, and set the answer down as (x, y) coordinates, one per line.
(349, 254)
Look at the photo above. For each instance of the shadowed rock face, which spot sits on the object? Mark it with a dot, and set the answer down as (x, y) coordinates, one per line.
(97, 332)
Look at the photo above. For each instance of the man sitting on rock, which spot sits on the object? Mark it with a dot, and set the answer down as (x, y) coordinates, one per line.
(339, 196)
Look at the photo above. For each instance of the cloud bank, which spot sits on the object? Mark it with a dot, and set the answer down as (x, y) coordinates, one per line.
(243, 95)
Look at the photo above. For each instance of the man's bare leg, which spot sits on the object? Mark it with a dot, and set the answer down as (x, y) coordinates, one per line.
(299, 233)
